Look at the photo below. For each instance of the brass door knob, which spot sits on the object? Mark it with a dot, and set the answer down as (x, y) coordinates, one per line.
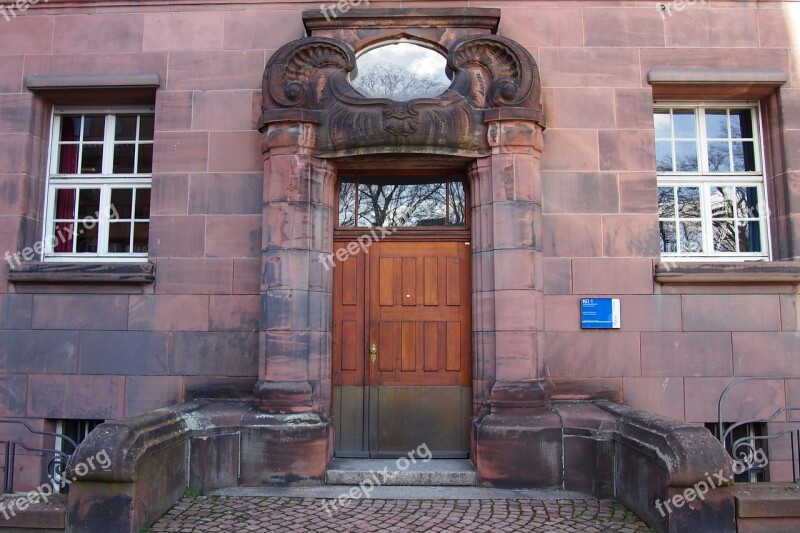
(374, 351)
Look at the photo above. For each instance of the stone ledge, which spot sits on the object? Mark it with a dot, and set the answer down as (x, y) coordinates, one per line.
(56, 82)
(686, 452)
(718, 83)
(86, 273)
(751, 272)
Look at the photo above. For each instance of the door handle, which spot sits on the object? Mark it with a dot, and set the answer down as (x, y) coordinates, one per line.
(374, 351)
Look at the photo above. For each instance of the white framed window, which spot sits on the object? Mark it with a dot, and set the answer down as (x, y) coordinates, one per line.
(98, 184)
(711, 194)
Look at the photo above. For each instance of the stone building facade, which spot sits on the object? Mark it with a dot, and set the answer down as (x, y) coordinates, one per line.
(583, 135)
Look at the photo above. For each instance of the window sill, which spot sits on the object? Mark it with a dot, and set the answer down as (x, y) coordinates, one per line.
(751, 272)
(84, 273)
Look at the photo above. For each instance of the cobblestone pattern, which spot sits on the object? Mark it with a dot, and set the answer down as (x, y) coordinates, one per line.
(284, 514)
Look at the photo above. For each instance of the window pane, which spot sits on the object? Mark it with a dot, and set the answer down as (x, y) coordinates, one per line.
(458, 203)
(403, 202)
(668, 239)
(685, 123)
(749, 236)
(686, 156)
(662, 124)
(145, 159)
(123, 158)
(689, 202)
(722, 202)
(744, 156)
(664, 156)
(87, 238)
(92, 159)
(691, 237)
(126, 128)
(741, 123)
(724, 238)
(89, 203)
(141, 235)
(68, 159)
(717, 123)
(718, 157)
(70, 127)
(65, 203)
(121, 203)
(666, 202)
(63, 237)
(94, 127)
(146, 123)
(142, 204)
(747, 202)
(347, 203)
(119, 235)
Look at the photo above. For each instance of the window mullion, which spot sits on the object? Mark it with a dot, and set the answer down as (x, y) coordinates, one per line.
(108, 144)
(702, 140)
(706, 218)
(102, 226)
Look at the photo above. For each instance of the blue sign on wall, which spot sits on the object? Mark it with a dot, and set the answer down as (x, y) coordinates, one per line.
(600, 313)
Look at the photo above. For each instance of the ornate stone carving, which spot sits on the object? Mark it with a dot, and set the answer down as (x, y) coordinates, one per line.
(307, 81)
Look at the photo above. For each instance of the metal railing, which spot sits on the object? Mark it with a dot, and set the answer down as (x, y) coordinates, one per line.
(55, 467)
(744, 450)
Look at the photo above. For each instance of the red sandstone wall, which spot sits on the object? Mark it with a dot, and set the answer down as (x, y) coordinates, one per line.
(107, 353)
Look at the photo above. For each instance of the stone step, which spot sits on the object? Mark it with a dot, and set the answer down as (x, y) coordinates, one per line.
(767, 507)
(387, 472)
(39, 517)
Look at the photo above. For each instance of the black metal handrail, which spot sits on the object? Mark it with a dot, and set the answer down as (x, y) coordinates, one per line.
(743, 449)
(55, 467)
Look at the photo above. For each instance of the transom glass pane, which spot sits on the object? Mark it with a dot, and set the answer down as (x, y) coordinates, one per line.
(401, 72)
(401, 201)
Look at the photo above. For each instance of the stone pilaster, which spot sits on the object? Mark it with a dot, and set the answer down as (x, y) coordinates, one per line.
(295, 325)
(514, 424)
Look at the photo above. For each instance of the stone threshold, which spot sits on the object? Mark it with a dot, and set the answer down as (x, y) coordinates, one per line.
(386, 472)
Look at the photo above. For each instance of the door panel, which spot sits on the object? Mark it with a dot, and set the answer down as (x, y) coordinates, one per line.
(411, 301)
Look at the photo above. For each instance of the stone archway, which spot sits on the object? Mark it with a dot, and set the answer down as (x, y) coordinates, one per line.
(490, 116)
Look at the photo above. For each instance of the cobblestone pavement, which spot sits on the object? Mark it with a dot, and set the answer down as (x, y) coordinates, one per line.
(297, 514)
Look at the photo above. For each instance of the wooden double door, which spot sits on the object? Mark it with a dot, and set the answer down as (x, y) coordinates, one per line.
(402, 349)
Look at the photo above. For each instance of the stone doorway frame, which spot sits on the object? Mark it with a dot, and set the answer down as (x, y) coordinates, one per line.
(490, 120)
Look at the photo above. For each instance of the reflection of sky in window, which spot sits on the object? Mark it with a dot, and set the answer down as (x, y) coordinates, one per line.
(417, 59)
(401, 71)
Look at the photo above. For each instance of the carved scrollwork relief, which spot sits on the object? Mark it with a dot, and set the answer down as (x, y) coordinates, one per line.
(307, 80)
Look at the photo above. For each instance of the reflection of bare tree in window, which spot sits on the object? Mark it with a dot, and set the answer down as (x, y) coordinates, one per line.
(396, 83)
(686, 162)
(347, 204)
(401, 205)
(458, 203)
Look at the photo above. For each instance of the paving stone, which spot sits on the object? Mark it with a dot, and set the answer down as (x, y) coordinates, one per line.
(290, 514)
